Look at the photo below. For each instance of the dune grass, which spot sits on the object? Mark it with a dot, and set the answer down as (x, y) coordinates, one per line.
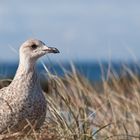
(80, 110)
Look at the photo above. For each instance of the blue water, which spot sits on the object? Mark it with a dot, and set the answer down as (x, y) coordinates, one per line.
(91, 70)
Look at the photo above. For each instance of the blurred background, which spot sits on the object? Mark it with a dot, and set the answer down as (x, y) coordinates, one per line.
(85, 32)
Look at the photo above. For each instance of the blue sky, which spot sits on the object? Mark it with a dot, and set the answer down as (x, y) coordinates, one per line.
(81, 30)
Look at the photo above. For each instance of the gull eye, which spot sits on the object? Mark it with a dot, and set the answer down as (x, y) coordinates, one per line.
(34, 46)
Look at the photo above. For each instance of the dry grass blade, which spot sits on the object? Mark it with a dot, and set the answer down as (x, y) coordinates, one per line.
(100, 129)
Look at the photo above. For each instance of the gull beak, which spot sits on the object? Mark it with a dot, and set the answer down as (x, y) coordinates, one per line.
(50, 49)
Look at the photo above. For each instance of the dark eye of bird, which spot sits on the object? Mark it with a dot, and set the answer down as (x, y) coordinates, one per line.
(34, 46)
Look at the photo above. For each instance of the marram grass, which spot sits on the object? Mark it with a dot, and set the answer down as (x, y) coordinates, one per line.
(80, 110)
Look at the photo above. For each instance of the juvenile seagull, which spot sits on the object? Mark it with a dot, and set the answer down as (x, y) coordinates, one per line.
(23, 99)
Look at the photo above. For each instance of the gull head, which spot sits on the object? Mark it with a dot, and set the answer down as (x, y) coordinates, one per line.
(33, 49)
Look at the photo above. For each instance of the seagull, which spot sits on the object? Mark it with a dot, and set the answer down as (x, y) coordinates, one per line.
(23, 100)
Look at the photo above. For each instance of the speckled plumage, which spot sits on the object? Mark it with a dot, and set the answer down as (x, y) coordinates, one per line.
(23, 99)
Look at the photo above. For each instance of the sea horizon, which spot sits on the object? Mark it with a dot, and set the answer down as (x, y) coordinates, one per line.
(92, 70)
